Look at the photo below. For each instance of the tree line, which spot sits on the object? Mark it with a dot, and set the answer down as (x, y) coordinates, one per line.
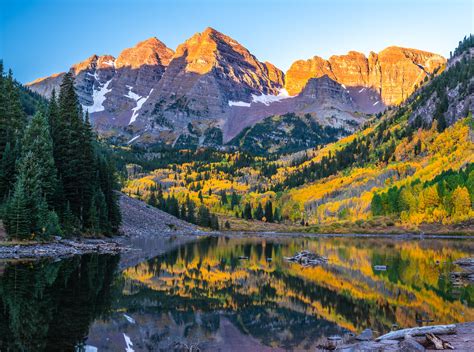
(187, 210)
(55, 177)
(449, 197)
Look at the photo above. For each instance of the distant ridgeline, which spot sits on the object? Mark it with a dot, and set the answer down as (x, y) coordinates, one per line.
(55, 178)
(411, 165)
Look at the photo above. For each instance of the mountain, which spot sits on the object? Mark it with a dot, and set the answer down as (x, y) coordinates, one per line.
(212, 88)
(411, 169)
(392, 74)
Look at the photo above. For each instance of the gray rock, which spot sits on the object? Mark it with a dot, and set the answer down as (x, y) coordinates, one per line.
(411, 345)
(366, 335)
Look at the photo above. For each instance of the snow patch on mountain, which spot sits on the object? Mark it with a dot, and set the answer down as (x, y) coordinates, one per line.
(98, 98)
(239, 103)
(267, 99)
(109, 63)
(128, 343)
(140, 101)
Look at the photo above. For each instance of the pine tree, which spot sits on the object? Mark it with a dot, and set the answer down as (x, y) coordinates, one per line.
(191, 208)
(259, 212)
(152, 200)
(38, 142)
(234, 200)
(68, 146)
(87, 171)
(4, 127)
(7, 171)
(214, 222)
(247, 213)
(14, 115)
(223, 198)
(204, 218)
(269, 211)
(18, 214)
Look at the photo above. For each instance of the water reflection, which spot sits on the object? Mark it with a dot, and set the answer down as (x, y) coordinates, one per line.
(203, 293)
(49, 306)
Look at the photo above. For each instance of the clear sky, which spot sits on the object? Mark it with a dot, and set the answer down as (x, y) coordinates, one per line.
(41, 37)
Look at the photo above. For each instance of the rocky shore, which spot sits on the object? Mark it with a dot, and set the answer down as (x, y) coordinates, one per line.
(139, 222)
(60, 248)
(458, 337)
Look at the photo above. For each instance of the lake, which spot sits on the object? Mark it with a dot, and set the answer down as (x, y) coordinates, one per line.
(201, 293)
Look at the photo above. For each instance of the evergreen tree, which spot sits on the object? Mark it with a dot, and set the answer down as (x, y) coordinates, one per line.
(14, 115)
(269, 211)
(7, 171)
(247, 213)
(259, 212)
(17, 214)
(214, 222)
(234, 200)
(152, 200)
(223, 198)
(191, 209)
(204, 217)
(87, 171)
(38, 142)
(68, 146)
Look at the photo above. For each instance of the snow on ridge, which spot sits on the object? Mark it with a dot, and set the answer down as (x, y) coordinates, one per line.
(239, 103)
(131, 94)
(109, 63)
(129, 142)
(267, 99)
(98, 98)
(128, 343)
(140, 101)
(128, 317)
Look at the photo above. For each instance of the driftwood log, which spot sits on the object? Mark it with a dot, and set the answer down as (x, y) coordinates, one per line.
(419, 331)
(438, 343)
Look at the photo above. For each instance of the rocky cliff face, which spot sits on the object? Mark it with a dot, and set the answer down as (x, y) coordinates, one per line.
(212, 87)
(207, 71)
(393, 73)
(113, 90)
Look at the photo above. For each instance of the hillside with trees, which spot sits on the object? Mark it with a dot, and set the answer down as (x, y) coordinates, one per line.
(55, 177)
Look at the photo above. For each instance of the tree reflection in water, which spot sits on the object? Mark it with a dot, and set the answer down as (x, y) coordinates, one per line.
(49, 306)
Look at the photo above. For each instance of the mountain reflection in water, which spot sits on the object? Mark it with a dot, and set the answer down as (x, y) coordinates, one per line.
(202, 294)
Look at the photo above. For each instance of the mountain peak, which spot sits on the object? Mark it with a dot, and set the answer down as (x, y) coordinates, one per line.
(150, 52)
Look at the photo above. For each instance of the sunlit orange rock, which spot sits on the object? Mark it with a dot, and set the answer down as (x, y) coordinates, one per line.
(393, 73)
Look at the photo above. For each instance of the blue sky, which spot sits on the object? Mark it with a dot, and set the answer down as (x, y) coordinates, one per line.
(41, 37)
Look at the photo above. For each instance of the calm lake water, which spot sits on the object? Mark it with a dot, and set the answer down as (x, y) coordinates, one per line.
(201, 294)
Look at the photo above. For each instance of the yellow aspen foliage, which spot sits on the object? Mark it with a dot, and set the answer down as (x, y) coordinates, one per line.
(461, 202)
(431, 197)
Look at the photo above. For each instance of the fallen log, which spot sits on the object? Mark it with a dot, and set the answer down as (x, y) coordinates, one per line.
(438, 343)
(419, 331)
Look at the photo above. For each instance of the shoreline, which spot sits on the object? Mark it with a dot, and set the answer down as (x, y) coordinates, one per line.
(62, 248)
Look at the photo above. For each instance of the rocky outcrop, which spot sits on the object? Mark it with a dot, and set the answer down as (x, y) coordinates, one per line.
(394, 73)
